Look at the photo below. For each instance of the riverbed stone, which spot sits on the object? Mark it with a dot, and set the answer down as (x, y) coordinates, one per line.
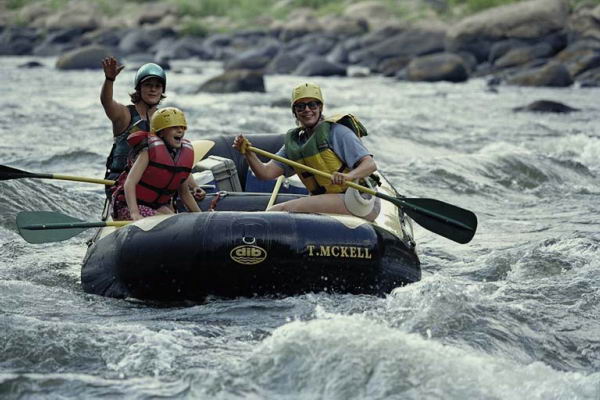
(580, 56)
(16, 40)
(234, 81)
(408, 43)
(590, 78)
(523, 55)
(284, 63)
(88, 57)
(437, 67)
(546, 106)
(524, 20)
(319, 66)
(140, 40)
(255, 58)
(553, 75)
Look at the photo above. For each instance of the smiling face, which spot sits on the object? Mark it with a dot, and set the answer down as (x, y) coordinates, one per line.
(308, 111)
(172, 136)
(151, 90)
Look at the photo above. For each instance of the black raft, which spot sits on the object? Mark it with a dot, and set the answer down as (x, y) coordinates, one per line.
(241, 250)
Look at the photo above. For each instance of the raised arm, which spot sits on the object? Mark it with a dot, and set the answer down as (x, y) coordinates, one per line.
(264, 171)
(116, 112)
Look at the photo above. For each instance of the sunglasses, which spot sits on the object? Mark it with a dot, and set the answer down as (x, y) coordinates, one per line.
(313, 105)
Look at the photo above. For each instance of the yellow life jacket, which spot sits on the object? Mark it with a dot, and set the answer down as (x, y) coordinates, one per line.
(317, 153)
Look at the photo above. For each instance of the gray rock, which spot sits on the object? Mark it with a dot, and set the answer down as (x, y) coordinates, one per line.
(438, 67)
(284, 63)
(59, 41)
(312, 44)
(140, 40)
(88, 57)
(319, 66)
(17, 40)
(553, 75)
(391, 66)
(524, 20)
(580, 56)
(547, 106)
(234, 81)
(523, 55)
(256, 58)
(31, 64)
(500, 48)
(409, 43)
(104, 37)
(590, 78)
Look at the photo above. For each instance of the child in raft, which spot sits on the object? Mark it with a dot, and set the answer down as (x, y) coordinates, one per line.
(160, 165)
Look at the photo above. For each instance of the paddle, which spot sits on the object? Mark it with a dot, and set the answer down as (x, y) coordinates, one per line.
(201, 147)
(275, 192)
(7, 173)
(48, 226)
(445, 219)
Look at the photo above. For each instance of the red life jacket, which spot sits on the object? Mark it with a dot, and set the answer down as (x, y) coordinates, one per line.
(164, 175)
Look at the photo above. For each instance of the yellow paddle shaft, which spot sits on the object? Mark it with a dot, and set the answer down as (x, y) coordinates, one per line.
(118, 224)
(275, 191)
(83, 179)
(309, 169)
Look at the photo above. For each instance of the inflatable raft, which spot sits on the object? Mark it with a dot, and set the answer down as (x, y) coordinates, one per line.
(238, 249)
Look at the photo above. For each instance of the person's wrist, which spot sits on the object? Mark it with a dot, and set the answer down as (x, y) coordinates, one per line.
(109, 79)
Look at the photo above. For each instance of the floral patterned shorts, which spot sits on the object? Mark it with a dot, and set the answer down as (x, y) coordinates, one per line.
(122, 213)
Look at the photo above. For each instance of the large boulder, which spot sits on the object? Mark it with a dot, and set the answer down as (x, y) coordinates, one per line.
(546, 106)
(88, 57)
(312, 44)
(580, 56)
(299, 22)
(523, 55)
(77, 14)
(284, 63)
(408, 43)
(256, 58)
(59, 41)
(140, 40)
(182, 48)
(319, 66)
(553, 74)
(373, 13)
(525, 20)
(590, 78)
(584, 22)
(437, 67)
(17, 40)
(234, 81)
(343, 26)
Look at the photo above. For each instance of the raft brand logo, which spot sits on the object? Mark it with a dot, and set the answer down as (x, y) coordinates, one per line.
(248, 254)
(339, 251)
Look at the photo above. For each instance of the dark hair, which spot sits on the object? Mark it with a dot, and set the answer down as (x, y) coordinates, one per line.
(136, 97)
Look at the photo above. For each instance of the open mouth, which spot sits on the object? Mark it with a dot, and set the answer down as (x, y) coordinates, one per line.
(177, 139)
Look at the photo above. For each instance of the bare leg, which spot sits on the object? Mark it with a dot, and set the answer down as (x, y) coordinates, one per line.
(323, 203)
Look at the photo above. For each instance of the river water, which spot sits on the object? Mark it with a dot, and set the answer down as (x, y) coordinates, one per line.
(515, 314)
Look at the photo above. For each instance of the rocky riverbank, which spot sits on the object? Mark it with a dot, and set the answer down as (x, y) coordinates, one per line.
(530, 43)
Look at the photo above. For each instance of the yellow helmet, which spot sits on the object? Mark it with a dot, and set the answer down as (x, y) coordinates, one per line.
(307, 90)
(166, 118)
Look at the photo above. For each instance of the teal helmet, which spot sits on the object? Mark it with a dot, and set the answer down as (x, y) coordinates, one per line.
(148, 71)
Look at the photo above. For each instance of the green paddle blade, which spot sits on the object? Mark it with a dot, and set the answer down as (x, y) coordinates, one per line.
(46, 226)
(447, 220)
(7, 173)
